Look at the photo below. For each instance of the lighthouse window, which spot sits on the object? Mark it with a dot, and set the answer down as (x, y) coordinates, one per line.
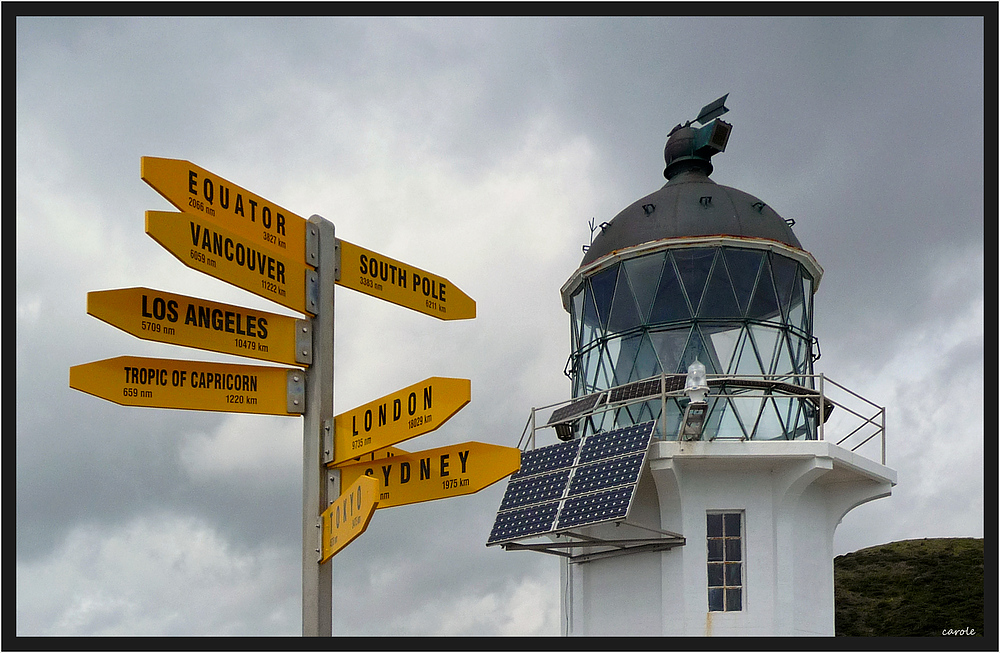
(725, 561)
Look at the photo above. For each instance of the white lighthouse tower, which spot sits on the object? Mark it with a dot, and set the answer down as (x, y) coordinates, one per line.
(701, 468)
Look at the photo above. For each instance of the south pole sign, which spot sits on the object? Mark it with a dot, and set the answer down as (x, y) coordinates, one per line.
(234, 235)
(402, 284)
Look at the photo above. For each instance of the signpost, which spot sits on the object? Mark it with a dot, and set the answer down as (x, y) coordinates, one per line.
(440, 473)
(221, 253)
(348, 516)
(262, 224)
(402, 284)
(404, 414)
(236, 236)
(191, 385)
(179, 320)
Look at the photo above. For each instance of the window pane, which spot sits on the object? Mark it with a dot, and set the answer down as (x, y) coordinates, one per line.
(719, 299)
(764, 304)
(643, 274)
(603, 285)
(715, 575)
(732, 524)
(715, 600)
(715, 525)
(733, 550)
(694, 266)
(668, 303)
(743, 266)
(734, 577)
(715, 550)
(624, 314)
(734, 600)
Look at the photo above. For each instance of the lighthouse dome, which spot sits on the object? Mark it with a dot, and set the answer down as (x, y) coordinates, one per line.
(690, 204)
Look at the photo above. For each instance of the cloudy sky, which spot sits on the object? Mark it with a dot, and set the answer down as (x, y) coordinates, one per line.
(478, 149)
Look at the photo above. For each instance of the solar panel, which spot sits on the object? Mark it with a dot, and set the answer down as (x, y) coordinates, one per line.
(577, 407)
(535, 489)
(546, 459)
(634, 390)
(573, 483)
(595, 508)
(515, 524)
(623, 470)
(616, 443)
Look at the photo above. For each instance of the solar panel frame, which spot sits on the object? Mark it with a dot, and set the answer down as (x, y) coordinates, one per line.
(557, 491)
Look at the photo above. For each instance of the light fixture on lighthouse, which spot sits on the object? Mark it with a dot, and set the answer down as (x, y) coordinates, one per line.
(695, 387)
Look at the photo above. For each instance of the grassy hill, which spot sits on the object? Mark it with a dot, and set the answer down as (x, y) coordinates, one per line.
(910, 588)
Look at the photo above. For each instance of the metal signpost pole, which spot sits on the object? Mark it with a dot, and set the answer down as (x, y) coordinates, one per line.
(317, 579)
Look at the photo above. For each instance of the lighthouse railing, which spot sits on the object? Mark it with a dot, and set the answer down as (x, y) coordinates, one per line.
(835, 407)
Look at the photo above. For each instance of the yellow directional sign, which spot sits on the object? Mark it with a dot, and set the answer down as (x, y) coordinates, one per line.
(221, 253)
(439, 473)
(197, 191)
(348, 516)
(402, 284)
(192, 385)
(191, 322)
(388, 452)
(404, 414)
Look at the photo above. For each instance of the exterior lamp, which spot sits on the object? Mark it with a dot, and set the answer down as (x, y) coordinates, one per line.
(695, 387)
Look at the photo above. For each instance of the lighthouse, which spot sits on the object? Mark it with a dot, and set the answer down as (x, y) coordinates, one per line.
(692, 483)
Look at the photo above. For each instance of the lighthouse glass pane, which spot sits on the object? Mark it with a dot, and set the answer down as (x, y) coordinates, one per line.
(603, 286)
(669, 346)
(785, 272)
(670, 304)
(719, 299)
(624, 313)
(743, 266)
(693, 266)
(724, 346)
(764, 305)
(576, 317)
(643, 274)
(626, 359)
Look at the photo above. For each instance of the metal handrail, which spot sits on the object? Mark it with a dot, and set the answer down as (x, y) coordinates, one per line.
(819, 396)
